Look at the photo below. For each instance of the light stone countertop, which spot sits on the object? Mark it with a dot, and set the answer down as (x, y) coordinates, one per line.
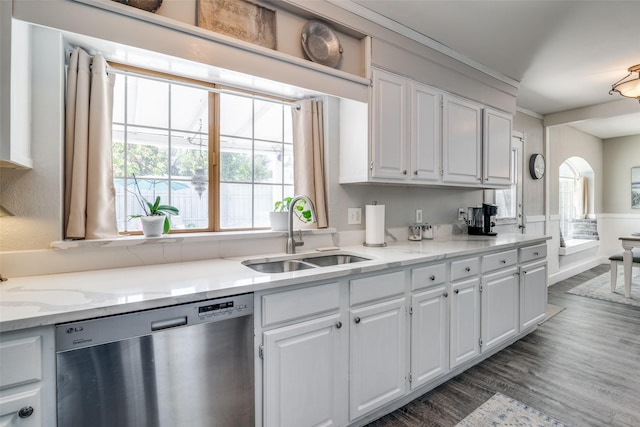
(56, 298)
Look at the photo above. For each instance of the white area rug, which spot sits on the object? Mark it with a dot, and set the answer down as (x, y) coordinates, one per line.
(599, 288)
(501, 410)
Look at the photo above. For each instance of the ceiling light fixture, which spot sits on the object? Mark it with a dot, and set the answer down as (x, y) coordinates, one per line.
(628, 88)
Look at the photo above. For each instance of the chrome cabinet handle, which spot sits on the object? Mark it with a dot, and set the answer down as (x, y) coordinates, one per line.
(467, 269)
(432, 277)
(25, 412)
(415, 172)
(445, 294)
(404, 172)
(503, 261)
(357, 320)
(456, 291)
(536, 254)
(338, 324)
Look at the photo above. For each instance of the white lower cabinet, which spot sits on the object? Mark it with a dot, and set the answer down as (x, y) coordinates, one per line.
(305, 377)
(533, 294)
(464, 331)
(429, 335)
(499, 309)
(378, 355)
(27, 378)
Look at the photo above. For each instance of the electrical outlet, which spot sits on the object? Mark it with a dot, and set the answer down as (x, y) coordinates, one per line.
(419, 216)
(460, 214)
(354, 216)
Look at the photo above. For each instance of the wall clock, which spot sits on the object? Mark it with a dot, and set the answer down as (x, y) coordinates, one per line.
(536, 166)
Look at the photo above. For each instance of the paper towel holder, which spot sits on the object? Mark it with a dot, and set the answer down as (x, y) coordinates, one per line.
(375, 245)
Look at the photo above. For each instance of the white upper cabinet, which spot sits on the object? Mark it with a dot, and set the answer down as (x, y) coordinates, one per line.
(497, 147)
(425, 133)
(390, 126)
(421, 135)
(462, 142)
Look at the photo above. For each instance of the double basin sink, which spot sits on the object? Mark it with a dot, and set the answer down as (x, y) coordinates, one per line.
(302, 262)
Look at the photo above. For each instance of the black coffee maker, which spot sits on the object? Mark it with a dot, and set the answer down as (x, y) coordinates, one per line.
(480, 220)
(488, 212)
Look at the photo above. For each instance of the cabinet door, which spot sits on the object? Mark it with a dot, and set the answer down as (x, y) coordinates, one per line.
(305, 378)
(464, 321)
(21, 409)
(461, 142)
(378, 356)
(429, 335)
(425, 133)
(496, 147)
(389, 123)
(499, 309)
(533, 294)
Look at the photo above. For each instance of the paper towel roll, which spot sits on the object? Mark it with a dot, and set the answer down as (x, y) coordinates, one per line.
(374, 225)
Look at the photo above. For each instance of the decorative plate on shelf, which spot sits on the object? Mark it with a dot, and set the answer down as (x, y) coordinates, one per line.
(321, 44)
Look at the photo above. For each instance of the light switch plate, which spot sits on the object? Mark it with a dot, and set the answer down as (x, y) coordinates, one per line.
(354, 216)
(418, 216)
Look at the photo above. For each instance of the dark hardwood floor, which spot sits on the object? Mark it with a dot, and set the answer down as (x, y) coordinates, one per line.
(581, 366)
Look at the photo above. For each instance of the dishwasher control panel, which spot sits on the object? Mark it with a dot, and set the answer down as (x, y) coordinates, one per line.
(86, 333)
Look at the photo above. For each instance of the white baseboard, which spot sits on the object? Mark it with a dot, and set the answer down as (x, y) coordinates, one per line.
(576, 269)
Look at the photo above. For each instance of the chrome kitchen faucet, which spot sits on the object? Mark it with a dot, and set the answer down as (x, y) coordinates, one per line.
(291, 242)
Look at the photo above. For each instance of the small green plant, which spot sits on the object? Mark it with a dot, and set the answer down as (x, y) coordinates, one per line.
(284, 205)
(155, 208)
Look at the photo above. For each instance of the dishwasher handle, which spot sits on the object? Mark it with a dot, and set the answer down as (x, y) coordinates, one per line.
(170, 323)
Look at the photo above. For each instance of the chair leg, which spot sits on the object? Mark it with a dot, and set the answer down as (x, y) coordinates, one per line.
(614, 275)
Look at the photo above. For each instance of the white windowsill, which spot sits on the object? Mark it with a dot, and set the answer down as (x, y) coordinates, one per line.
(180, 238)
(574, 246)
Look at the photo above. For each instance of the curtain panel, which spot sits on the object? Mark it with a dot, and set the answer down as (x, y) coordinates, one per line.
(89, 194)
(308, 152)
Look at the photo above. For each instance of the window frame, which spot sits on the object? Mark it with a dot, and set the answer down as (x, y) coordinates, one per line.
(213, 133)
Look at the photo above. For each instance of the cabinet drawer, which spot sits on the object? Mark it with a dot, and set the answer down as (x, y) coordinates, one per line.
(499, 260)
(465, 268)
(533, 252)
(300, 303)
(376, 287)
(21, 361)
(423, 277)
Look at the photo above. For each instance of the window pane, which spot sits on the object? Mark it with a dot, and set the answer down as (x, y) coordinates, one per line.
(268, 162)
(147, 152)
(288, 164)
(118, 151)
(118, 99)
(264, 199)
(189, 109)
(189, 160)
(236, 163)
(236, 115)
(147, 102)
(268, 120)
(236, 205)
(288, 129)
(193, 207)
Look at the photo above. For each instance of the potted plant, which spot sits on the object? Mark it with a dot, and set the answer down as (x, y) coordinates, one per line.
(155, 221)
(280, 214)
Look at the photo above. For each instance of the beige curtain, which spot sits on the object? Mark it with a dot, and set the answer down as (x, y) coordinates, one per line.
(89, 194)
(308, 152)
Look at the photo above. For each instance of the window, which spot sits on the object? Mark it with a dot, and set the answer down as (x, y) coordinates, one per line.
(222, 159)
(568, 177)
(507, 199)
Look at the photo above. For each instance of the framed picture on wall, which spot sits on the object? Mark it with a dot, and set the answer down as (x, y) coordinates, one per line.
(635, 187)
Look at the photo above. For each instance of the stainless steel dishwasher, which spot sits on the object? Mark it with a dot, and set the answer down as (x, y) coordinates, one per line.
(184, 365)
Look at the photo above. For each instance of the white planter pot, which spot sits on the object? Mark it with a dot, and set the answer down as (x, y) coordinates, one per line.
(279, 221)
(152, 226)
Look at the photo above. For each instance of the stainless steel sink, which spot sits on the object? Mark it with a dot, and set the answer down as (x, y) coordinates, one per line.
(336, 259)
(282, 266)
(301, 262)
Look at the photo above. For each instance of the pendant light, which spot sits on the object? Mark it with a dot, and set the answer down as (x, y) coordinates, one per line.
(628, 88)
